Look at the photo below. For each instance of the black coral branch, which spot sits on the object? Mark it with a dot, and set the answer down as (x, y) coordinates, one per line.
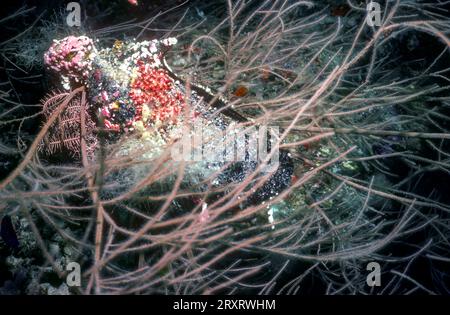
(64, 135)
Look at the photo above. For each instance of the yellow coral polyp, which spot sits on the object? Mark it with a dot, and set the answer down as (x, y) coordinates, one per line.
(115, 105)
(146, 135)
(139, 126)
(145, 113)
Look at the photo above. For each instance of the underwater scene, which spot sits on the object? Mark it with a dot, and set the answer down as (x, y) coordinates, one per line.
(226, 147)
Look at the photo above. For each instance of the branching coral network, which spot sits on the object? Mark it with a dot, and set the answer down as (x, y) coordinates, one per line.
(349, 113)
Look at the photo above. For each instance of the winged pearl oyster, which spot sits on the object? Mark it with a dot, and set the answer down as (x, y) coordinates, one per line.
(217, 133)
(199, 144)
(133, 90)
